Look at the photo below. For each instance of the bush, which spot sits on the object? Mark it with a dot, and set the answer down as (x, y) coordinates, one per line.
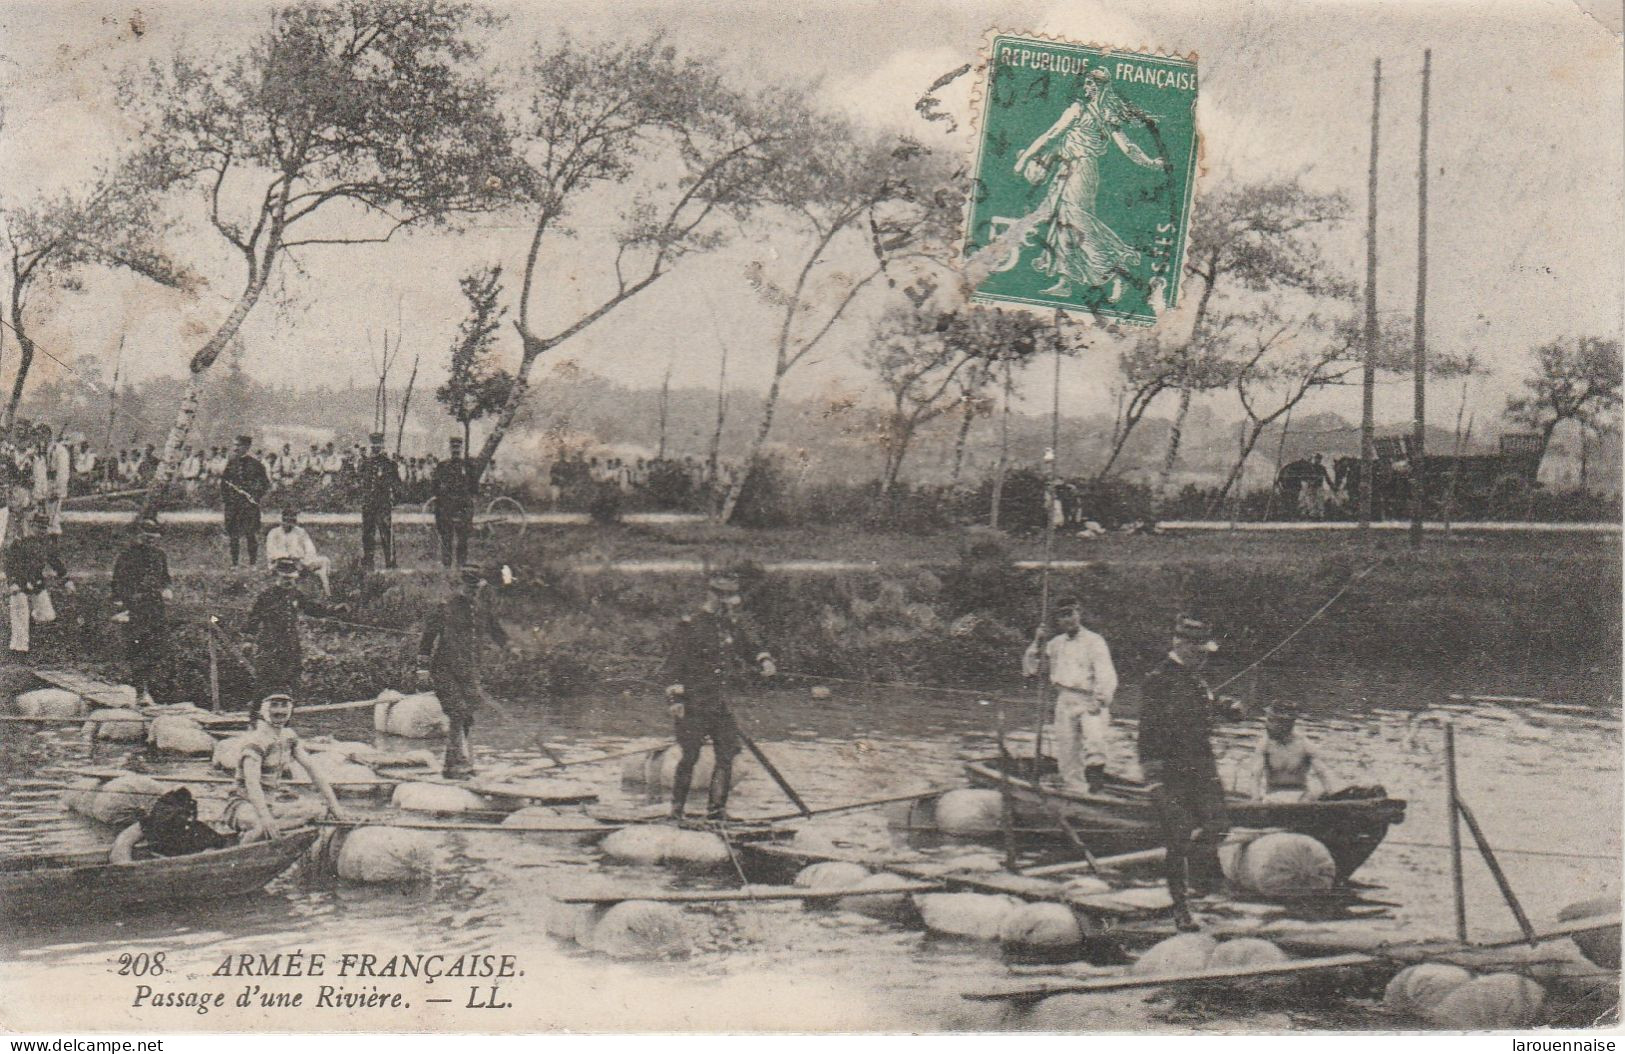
(762, 499)
(1021, 501)
(671, 487)
(605, 505)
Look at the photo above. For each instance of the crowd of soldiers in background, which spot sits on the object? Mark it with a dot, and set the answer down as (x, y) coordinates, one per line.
(43, 460)
(324, 466)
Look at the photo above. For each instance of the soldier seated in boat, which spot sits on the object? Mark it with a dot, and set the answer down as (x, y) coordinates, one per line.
(169, 828)
(1287, 762)
(270, 746)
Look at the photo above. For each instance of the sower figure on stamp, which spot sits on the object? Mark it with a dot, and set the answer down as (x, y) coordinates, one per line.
(27, 559)
(708, 648)
(380, 484)
(279, 654)
(1080, 667)
(455, 483)
(242, 488)
(449, 660)
(141, 587)
(1177, 712)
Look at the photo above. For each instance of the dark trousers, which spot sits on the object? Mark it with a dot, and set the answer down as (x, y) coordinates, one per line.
(378, 531)
(459, 698)
(146, 647)
(452, 526)
(1191, 803)
(702, 720)
(243, 525)
(277, 672)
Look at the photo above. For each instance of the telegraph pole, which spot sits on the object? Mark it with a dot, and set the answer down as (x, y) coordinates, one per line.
(1368, 453)
(1418, 433)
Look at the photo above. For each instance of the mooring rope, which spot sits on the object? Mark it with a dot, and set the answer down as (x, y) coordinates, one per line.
(1357, 576)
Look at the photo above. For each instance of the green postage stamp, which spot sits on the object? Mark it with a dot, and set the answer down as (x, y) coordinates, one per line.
(1085, 162)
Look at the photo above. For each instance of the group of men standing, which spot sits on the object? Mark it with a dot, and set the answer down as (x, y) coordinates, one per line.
(455, 484)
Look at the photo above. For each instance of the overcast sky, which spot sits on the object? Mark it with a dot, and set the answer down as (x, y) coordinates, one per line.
(1528, 149)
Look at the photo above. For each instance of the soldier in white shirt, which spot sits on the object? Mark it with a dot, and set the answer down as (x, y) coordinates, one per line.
(191, 471)
(291, 541)
(1080, 667)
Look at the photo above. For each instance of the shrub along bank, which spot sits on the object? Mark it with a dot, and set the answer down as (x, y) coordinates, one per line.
(1542, 603)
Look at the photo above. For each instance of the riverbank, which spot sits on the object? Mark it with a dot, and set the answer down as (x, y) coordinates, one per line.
(951, 609)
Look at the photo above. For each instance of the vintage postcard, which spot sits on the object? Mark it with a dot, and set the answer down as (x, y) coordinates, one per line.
(978, 516)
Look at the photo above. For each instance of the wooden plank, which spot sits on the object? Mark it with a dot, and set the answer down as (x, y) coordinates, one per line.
(749, 893)
(452, 825)
(209, 777)
(327, 708)
(1118, 904)
(1230, 973)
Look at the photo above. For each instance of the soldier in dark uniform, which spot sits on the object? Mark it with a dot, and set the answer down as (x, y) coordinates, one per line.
(243, 485)
(454, 484)
(1177, 713)
(380, 485)
(274, 619)
(449, 660)
(27, 559)
(707, 651)
(141, 586)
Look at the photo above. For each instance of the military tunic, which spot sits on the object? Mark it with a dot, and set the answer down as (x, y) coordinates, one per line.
(451, 644)
(455, 484)
(140, 575)
(708, 653)
(278, 650)
(1177, 715)
(380, 484)
(242, 487)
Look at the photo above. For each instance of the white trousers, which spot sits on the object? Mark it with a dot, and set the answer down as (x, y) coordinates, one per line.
(26, 609)
(1082, 733)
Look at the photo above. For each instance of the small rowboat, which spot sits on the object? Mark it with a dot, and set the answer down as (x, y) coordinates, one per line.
(1121, 816)
(77, 885)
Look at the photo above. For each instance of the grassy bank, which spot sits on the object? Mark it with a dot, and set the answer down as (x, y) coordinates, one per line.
(929, 613)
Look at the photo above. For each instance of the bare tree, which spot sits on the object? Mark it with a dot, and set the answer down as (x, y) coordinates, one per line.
(1289, 359)
(919, 353)
(596, 116)
(113, 222)
(342, 124)
(840, 189)
(1254, 237)
(713, 454)
(1576, 380)
(973, 402)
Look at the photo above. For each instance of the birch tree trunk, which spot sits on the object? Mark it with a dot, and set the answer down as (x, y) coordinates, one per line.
(186, 415)
(1004, 452)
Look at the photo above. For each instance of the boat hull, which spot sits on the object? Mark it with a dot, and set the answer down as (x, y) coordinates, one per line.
(81, 886)
(1122, 817)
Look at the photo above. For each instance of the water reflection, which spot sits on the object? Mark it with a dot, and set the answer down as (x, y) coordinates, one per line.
(1543, 779)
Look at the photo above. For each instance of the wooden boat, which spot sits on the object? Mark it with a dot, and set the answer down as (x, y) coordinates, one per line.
(1121, 817)
(78, 885)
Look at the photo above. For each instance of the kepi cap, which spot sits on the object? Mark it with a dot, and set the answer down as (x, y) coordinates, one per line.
(286, 566)
(149, 525)
(375, 437)
(722, 583)
(1190, 628)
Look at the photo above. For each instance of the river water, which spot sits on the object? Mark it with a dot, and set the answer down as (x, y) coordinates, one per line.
(1543, 779)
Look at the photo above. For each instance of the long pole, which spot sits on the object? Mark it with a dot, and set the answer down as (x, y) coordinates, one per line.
(1418, 456)
(1050, 496)
(1006, 805)
(1368, 454)
(1455, 831)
